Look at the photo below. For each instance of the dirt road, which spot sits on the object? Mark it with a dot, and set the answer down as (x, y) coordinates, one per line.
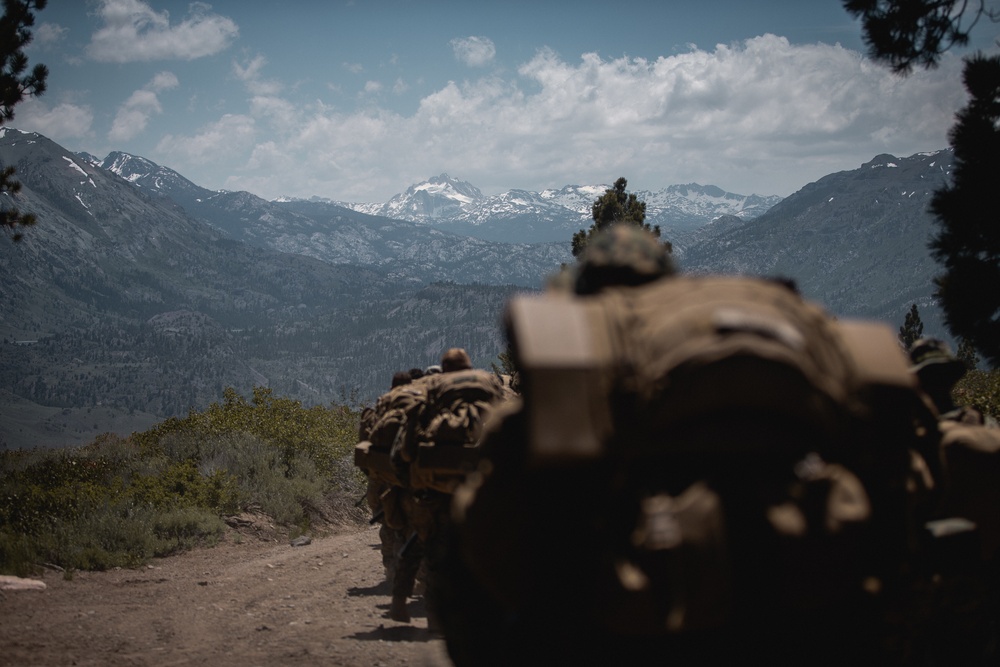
(249, 601)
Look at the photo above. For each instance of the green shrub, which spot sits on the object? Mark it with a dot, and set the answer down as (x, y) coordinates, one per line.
(276, 480)
(322, 434)
(186, 527)
(180, 484)
(981, 390)
(104, 534)
(119, 501)
(18, 554)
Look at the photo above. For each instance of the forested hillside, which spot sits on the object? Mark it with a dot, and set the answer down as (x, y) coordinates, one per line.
(118, 299)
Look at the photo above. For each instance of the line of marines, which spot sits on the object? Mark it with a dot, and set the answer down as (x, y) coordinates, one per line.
(457, 481)
(416, 445)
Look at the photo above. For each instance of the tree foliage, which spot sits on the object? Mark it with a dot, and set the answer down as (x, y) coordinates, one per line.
(16, 83)
(967, 354)
(904, 33)
(507, 369)
(912, 329)
(615, 206)
(967, 243)
(981, 390)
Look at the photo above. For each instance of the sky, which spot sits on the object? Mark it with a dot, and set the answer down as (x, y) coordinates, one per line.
(357, 100)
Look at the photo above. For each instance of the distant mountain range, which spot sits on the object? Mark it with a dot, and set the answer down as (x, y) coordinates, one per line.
(339, 235)
(554, 215)
(458, 208)
(140, 294)
(873, 262)
(119, 303)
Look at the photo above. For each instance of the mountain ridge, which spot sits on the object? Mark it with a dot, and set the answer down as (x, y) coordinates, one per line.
(131, 303)
(337, 235)
(555, 214)
(860, 239)
(458, 207)
(120, 303)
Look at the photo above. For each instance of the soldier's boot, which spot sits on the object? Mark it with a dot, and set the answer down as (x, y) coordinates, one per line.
(397, 611)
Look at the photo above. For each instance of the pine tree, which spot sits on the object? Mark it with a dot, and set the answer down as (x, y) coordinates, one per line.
(966, 353)
(904, 33)
(508, 368)
(15, 85)
(967, 244)
(908, 33)
(912, 329)
(615, 206)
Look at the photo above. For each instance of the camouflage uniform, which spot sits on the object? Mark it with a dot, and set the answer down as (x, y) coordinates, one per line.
(625, 255)
(426, 509)
(419, 555)
(375, 494)
(938, 371)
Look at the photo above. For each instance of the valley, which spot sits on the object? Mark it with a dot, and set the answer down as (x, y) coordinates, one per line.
(140, 295)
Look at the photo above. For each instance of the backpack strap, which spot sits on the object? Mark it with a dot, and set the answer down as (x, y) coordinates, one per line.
(565, 357)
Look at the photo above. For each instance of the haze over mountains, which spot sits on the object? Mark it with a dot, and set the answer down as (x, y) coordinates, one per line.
(148, 294)
(554, 215)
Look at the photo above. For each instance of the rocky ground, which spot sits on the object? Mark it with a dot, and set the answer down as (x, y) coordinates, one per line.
(251, 600)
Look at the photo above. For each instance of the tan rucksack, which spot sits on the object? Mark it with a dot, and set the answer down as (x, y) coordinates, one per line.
(395, 419)
(444, 448)
(971, 454)
(425, 433)
(698, 461)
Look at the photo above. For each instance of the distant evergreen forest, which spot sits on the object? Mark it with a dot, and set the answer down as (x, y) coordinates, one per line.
(168, 367)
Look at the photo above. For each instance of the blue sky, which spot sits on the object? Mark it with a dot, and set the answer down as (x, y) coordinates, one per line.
(357, 100)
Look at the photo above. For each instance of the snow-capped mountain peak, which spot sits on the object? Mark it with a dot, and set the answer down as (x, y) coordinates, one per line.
(445, 186)
(436, 198)
(553, 214)
(151, 176)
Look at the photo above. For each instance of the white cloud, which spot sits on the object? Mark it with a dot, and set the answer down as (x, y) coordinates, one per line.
(250, 75)
(49, 33)
(163, 81)
(474, 51)
(251, 70)
(224, 138)
(61, 123)
(133, 31)
(133, 116)
(353, 68)
(279, 111)
(762, 116)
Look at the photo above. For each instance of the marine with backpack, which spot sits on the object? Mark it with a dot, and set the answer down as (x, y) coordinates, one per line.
(422, 442)
(702, 468)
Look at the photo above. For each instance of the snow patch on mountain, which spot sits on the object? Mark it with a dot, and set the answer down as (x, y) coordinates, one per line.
(515, 216)
(554, 214)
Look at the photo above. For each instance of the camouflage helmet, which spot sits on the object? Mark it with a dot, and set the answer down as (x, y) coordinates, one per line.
(622, 254)
(455, 359)
(933, 361)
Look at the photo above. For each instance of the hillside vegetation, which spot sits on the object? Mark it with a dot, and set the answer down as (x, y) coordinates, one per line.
(981, 390)
(119, 501)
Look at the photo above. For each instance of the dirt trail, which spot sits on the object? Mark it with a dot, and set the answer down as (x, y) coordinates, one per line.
(243, 603)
